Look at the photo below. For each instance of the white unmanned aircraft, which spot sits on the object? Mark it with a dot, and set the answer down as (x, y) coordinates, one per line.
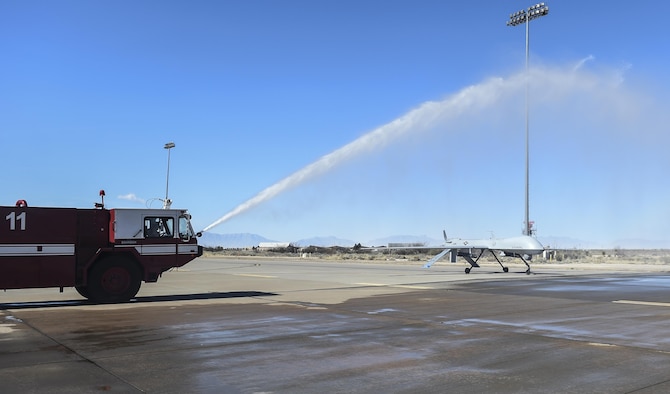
(524, 247)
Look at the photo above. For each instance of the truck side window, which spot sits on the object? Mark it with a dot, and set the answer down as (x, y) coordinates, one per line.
(158, 227)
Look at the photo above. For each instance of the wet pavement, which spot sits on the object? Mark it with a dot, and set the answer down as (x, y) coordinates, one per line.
(260, 326)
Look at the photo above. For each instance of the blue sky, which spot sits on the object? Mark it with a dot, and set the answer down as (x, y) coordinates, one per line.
(252, 92)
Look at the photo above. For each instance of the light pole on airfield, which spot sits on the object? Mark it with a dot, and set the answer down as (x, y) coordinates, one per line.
(517, 18)
(167, 202)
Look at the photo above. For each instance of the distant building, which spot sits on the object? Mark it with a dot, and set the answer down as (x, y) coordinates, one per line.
(273, 245)
(405, 244)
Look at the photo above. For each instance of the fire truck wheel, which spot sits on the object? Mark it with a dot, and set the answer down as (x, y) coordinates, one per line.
(113, 279)
(83, 291)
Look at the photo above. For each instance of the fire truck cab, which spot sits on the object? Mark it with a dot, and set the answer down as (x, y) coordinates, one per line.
(104, 253)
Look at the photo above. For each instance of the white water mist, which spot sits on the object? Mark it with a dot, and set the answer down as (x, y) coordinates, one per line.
(426, 116)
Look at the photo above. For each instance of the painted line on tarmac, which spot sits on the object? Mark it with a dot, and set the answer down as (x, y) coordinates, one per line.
(256, 276)
(600, 344)
(415, 287)
(648, 303)
(392, 285)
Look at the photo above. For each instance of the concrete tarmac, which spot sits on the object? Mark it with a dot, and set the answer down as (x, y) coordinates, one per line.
(304, 326)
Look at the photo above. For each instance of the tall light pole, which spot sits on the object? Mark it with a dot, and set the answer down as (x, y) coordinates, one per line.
(167, 202)
(517, 18)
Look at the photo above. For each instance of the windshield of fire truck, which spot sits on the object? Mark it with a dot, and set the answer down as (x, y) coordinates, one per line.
(185, 230)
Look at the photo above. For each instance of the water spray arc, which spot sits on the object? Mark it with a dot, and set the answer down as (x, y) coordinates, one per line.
(589, 107)
(427, 115)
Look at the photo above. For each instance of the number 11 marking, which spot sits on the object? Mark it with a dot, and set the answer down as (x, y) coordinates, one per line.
(12, 217)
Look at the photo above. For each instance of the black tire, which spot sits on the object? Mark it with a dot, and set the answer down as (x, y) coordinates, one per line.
(83, 291)
(113, 279)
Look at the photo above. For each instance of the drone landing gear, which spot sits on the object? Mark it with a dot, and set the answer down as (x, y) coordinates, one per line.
(473, 263)
(527, 265)
(505, 269)
(520, 257)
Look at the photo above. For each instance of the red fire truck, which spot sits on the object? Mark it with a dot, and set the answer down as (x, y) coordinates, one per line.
(104, 253)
